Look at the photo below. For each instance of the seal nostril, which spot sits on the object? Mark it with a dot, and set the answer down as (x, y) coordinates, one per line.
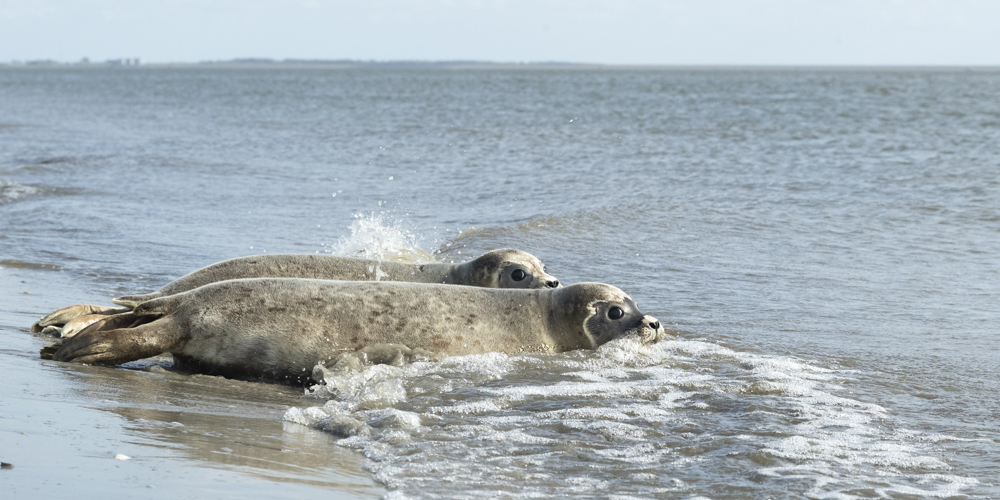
(655, 325)
(553, 284)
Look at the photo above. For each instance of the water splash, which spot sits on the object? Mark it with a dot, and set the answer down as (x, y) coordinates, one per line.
(379, 237)
(633, 420)
(12, 191)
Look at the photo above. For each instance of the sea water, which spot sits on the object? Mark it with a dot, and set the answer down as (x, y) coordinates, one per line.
(822, 243)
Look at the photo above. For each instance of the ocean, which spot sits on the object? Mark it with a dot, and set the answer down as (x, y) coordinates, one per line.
(822, 245)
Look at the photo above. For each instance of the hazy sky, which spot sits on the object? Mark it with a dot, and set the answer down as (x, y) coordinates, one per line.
(917, 32)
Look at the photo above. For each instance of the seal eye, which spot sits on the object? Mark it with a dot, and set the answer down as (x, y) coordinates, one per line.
(616, 313)
(518, 275)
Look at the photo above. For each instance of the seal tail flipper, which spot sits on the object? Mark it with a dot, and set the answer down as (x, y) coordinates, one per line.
(114, 347)
(48, 351)
(77, 324)
(132, 301)
(140, 333)
(146, 312)
(126, 319)
(65, 315)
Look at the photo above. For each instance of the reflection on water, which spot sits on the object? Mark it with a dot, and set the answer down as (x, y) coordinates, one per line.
(226, 424)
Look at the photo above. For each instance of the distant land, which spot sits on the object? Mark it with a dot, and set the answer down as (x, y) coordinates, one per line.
(255, 62)
(297, 63)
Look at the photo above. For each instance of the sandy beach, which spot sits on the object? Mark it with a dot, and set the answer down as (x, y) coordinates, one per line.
(61, 425)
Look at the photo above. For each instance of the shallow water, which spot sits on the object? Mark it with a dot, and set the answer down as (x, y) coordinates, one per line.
(823, 242)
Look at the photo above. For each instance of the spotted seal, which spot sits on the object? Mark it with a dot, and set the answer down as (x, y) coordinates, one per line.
(279, 329)
(504, 268)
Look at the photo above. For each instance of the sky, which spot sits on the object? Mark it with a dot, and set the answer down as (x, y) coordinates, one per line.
(659, 32)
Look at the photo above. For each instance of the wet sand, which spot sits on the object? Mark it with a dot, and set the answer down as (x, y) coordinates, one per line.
(61, 425)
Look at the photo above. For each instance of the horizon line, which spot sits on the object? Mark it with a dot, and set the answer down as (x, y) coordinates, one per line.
(346, 62)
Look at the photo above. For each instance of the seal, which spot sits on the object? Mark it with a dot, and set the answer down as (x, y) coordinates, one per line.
(504, 268)
(280, 329)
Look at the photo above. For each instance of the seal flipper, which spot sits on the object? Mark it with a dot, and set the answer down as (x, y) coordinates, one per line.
(114, 347)
(65, 315)
(126, 319)
(78, 324)
(48, 351)
(133, 301)
(143, 332)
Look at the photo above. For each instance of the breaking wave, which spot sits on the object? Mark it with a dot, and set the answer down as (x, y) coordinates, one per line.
(12, 191)
(625, 419)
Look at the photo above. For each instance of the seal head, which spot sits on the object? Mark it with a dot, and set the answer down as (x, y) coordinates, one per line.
(603, 313)
(506, 268)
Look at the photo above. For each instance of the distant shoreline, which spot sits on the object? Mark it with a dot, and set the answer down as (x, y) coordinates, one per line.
(472, 65)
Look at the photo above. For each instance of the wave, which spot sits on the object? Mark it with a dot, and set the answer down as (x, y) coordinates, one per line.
(50, 160)
(53, 164)
(625, 419)
(382, 236)
(552, 230)
(12, 191)
(18, 264)
(549, 223)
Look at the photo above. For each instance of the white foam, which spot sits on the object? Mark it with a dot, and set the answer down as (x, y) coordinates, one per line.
(12, 191)
(472, 423)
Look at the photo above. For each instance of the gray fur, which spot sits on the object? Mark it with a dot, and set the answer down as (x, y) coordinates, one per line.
(491, 270)
(279, 328)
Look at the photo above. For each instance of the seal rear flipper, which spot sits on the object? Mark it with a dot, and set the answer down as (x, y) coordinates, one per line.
(123, 320)
(132, 301)
(80, 323)
(65, 315)
(114, 347)
(48, 351)
(146, 312)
